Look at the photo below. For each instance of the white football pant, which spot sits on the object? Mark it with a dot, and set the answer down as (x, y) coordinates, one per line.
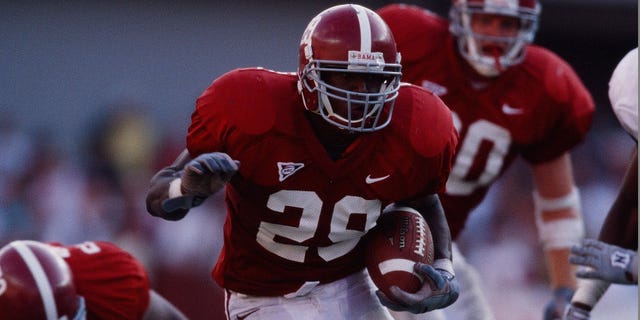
(350, 298)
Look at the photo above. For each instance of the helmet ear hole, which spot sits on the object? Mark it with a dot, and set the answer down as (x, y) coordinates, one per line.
(365, 45)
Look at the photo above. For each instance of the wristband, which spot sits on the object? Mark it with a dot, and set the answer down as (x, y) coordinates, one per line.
(175, 188)
(560, 233)
(444, 264)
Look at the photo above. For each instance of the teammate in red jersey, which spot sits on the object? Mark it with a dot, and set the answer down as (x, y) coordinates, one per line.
(91, 280)
(309, 161)
(613, 257)
(509, 98)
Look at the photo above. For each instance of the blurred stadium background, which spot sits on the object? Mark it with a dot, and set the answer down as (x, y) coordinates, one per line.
(96, 95)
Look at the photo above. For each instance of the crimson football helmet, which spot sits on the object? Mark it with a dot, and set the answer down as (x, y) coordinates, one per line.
(349, 39)
(527, 11)
(36, 283)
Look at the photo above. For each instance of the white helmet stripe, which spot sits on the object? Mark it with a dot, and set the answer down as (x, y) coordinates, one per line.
(365, 28)
(40, 277)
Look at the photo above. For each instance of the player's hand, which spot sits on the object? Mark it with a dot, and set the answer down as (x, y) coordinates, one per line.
(439, 290)
(555, 308)
(207, 173)
(604, 261)
(576, 313)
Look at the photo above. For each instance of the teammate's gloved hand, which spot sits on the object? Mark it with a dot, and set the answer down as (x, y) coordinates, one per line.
(555, 308)
(207, 173)
(440, 289)
(573, 312)
(605, 261)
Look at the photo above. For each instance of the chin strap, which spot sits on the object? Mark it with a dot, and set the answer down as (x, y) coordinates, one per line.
(81, 314)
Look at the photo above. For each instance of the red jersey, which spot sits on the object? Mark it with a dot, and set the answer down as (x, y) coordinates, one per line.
(113, 283)
(538, 109)
(294, 214)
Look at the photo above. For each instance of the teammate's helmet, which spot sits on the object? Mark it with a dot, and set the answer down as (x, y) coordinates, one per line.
(492, 65)
(36, 283)
(349, 39)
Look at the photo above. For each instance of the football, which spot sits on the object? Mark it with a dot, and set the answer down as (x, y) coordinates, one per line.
(399, 240)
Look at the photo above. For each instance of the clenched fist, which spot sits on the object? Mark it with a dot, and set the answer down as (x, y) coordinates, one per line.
(207, 173)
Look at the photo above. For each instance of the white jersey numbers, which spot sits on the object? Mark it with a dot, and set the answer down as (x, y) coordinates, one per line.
(343, 235)
(462, 181)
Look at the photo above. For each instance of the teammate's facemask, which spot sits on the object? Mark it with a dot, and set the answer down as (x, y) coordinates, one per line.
(493, 63)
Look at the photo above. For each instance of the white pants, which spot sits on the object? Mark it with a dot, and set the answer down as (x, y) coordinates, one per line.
(350, 298)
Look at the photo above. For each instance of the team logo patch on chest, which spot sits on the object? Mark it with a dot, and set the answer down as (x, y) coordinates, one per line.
(287, 169)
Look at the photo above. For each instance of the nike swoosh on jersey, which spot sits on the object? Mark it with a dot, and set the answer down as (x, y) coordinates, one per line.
(370, 180)
(507, 109)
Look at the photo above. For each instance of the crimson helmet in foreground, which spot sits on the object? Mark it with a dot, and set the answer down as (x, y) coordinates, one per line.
(36, 283)
(349, 39)
(527, 11)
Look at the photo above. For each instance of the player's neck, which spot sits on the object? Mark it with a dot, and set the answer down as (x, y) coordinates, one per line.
(476, 80)
(334, 140)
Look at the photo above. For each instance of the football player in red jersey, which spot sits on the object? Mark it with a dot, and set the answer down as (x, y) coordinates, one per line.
(91, 280)
(308, 162)
(509, 98)
(613, 258)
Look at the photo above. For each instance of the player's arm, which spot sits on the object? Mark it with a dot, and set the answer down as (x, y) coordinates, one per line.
(559, 223)
(608, 259)
(432, 211)
(440, 288)
(187, 182)
(159, 190)
(619, 227)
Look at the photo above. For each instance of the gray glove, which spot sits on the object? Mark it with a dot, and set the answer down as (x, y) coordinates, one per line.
(207, 173)
(444, 292)
(605, 261)
(576, 313)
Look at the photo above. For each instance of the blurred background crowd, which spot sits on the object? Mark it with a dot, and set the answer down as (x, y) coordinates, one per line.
(96, 96)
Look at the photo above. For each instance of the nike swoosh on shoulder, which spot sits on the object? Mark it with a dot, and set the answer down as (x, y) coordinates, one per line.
(370, 180)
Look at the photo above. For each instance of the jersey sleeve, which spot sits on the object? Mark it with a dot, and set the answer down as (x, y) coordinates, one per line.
(623, 92)
(113, 282)
(415, 29)
(430, 130)
(568, 109)
(225, 106)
